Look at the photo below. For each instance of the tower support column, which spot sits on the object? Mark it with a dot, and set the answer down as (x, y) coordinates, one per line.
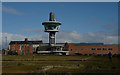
(52, 38)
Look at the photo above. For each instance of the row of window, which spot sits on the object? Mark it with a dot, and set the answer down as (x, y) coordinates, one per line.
(98, 49)
(24, 51)
(97, 55)
(24, 46)
(92, 54)
(51, 27)
(101, 48)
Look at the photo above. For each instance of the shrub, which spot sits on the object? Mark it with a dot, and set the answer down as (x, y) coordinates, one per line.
(12, 52)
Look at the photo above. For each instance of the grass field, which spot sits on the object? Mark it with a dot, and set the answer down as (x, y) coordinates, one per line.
(59, 64)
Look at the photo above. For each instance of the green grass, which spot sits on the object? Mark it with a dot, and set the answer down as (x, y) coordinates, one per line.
(41, 57)
(59, 64)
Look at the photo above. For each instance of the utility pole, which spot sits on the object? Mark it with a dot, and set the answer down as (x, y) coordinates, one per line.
(6, 42)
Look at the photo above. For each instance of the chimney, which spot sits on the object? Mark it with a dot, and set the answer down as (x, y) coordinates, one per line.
(26, 39)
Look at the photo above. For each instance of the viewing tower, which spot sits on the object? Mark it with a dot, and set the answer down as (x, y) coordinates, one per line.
(52, 26)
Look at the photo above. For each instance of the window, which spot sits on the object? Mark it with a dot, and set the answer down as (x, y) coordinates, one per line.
(22, 46)
(105, 54)
(109, 48)
(57, 28)
(46, 27)
(39, 49)
(25, 51)
(28, 46)
(93, 48)
(104, 48)
(71, 49)
(57, 48)
(66, 49)
(85, 54)
(99, 54)
(90, 54)
(115, 55)
(98, 48)
(51, 27)
(76, 53)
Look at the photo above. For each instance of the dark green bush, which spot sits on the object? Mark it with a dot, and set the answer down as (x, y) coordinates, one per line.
(12, 52)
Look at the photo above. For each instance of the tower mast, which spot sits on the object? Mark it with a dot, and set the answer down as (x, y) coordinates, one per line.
(6, 41)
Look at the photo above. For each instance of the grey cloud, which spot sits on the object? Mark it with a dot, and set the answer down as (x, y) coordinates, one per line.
(10, 37)
(73, 36)
(95, 20)
(11, 10)
(43, 37)
(111, 26)
(68, 36)
(34, 30)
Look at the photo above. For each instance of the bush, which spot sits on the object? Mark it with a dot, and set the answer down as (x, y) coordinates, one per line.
(76, 53)
(12, 52)
(115, 55)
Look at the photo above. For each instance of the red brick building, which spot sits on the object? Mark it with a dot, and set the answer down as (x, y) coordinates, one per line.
(88, 49)
(92, 49)
(24, 47)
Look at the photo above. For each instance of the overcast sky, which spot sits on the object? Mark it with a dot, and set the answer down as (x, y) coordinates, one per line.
(81, 21)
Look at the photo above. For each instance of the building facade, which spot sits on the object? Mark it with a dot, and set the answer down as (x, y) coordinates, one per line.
(90, 49)
(24, 47)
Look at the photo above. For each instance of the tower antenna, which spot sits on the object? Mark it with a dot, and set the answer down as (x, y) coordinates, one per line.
(6, 42)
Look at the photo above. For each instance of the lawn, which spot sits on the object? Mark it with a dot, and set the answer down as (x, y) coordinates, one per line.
(46, 64)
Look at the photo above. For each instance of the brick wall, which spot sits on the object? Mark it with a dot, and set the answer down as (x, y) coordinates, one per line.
(25, 48)
(87, 49)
